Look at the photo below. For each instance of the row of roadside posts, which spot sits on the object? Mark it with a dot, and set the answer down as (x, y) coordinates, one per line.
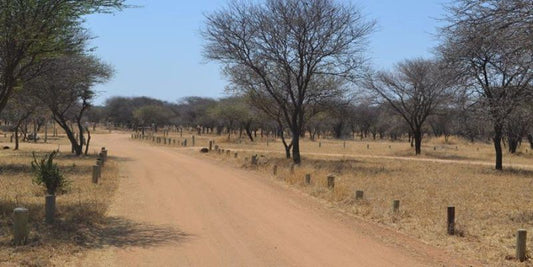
(450, 219)
(21, 228)
(163, 140)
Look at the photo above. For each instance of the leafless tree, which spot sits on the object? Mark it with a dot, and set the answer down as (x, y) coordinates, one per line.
(414, 90)
(279, 49)
(489, 44)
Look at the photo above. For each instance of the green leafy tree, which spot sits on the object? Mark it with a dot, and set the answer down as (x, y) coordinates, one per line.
(31, 31)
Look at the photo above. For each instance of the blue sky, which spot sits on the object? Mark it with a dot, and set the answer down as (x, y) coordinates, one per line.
(156, 49)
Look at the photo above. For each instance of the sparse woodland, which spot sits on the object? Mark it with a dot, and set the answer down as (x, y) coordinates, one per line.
(299, 77)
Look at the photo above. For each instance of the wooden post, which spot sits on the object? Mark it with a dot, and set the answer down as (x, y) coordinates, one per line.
(96, 173)
(20, 226)
(319, 144)
(308, 179)
(193, 140)
(254, 160)
(210, 145)
(344, 144)
(451, 220)
(331, 181)
(395, 206)
(50, 208)
(46, 132)
(275, 170)
(228, 152)
(236, 155)
(359, 194)
(521, 245)
(185, 142)
(367, 146)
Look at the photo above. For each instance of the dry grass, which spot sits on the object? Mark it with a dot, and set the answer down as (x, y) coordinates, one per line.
(81, 210)
(433, 148)
(490, 205)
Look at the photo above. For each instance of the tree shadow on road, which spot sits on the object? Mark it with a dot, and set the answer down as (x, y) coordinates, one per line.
(121, 232)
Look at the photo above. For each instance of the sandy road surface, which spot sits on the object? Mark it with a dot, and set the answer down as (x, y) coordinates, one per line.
(178, 210)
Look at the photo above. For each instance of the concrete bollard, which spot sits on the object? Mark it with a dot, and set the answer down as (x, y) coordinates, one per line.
(359, 194)
(395, 206)
(275, 170)
(308, 179)
(20, 226)
(331, 181)
(451, 220)
(521, 236)
(96, 173)
(104, 154)
(50, 208)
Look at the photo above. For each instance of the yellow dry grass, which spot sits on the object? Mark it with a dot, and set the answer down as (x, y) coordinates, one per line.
(81, 210)
(490, 205)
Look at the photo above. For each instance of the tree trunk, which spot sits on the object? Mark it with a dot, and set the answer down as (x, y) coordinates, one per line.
(249, 132)
(296, 147)
(498, 147)
(16, 138)
(285, 145)
(418, 141)
(88, 141)
(530, 139)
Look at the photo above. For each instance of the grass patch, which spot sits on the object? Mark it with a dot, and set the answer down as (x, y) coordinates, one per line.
(81, 221)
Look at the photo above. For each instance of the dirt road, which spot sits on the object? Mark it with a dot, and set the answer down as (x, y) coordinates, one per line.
(180, 210)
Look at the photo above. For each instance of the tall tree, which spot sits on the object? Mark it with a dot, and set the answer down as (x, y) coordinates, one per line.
(65, 87)
(280, 48)
(489, 43)
(415, 90)
(31, 31)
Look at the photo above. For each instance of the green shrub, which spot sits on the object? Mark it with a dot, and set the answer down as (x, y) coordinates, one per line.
(47, 173)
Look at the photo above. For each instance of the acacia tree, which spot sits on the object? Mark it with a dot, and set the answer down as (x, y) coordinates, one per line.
(488, 42)
(20, 109)
(65, 87)
(278, 49)
(415, 90)
(32, 31)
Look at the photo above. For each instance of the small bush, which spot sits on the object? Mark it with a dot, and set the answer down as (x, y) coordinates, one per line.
(47, 173)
